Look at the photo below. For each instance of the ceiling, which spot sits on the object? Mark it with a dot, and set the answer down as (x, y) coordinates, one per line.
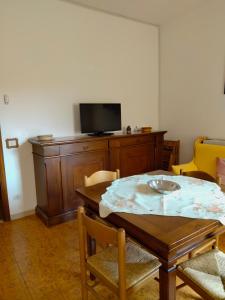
(155, 12)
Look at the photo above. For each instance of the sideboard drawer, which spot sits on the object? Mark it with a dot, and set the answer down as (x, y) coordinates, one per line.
(134, 140)
(52, 150)
(85, 146)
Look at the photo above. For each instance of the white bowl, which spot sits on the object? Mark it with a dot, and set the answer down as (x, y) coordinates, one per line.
(163, 186)
(45, 137)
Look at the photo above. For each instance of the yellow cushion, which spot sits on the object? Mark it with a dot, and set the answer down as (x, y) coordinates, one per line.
(184, 167)
(205, 157)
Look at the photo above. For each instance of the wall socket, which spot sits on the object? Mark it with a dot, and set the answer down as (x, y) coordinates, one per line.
(4, 99)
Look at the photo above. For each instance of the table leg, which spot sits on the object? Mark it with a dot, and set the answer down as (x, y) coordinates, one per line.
(167, 282)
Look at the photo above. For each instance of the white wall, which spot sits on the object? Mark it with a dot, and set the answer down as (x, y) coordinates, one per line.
(192, 73)
(53, 55)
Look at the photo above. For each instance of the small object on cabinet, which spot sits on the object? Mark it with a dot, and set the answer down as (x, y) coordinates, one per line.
(45, 137)
(146, 129)
(128, 129)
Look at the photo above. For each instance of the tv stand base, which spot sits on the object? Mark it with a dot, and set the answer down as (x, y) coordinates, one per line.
(100, 134)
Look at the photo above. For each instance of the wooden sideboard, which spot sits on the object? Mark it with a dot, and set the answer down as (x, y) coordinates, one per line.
(61, 164)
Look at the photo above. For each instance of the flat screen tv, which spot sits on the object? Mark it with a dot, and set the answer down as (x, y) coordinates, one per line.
(100, 118)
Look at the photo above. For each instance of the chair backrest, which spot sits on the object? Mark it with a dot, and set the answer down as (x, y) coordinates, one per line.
(200, 175)
(105, 235)
(101, 176)
(170, 154)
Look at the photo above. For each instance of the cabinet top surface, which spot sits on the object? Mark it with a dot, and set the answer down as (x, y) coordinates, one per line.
(86, 138)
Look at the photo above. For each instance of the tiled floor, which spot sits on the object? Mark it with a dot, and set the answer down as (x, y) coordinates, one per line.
(37, 262)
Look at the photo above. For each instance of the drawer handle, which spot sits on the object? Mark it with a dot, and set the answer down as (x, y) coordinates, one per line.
(85, 147)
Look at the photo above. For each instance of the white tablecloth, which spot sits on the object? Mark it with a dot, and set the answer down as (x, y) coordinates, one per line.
(196, 199)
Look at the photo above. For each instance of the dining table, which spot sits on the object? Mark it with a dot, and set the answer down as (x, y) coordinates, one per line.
(167, 237)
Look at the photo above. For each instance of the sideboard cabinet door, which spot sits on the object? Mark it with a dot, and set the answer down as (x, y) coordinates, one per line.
(74, 168)
(136, 159)
(133, 155)
(48, 185)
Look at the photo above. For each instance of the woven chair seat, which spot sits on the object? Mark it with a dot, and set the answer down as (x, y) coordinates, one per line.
(139, 264)
(208, 272)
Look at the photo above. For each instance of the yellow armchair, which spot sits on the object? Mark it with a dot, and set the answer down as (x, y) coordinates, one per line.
(178, 169)
(204, 158)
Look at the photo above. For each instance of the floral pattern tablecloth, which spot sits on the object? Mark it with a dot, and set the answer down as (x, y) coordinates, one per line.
(196, 199)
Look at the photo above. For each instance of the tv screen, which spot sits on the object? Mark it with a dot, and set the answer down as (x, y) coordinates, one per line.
(99, 118)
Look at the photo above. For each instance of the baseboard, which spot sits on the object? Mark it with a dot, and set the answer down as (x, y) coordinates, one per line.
(57, 219)
(22, 214)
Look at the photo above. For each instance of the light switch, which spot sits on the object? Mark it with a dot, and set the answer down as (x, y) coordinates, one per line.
(12, 143)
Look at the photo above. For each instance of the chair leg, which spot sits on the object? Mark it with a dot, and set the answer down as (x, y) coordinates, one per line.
(180, 286)
(216, 245)
(84, 290)
(122, 295)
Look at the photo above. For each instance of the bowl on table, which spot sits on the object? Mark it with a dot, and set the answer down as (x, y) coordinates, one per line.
(163, 186)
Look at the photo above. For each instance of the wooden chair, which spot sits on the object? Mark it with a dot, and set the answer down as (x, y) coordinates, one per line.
(101, 176)
(205, 274)
(200, 175)
(122, 267)
(98, 177)
(213, 243)
(170, 154)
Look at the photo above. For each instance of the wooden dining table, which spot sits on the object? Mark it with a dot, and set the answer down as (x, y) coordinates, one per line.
(169, 238)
